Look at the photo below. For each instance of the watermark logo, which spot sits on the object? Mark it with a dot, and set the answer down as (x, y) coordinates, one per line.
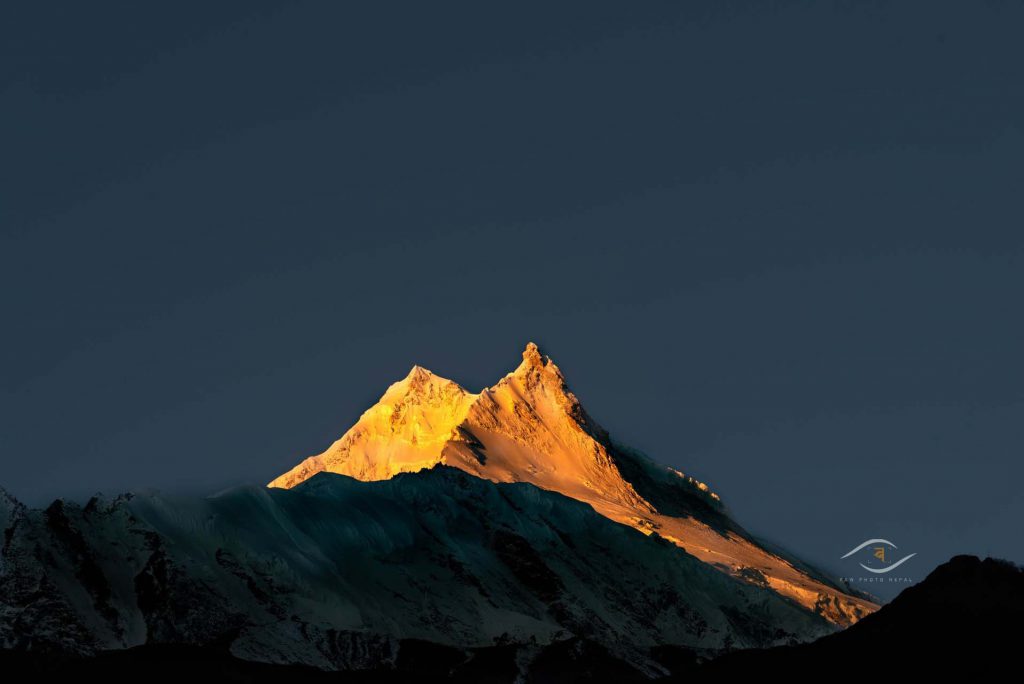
(879, 551)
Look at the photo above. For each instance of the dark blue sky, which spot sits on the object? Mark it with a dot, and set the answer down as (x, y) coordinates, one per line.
(776, 245)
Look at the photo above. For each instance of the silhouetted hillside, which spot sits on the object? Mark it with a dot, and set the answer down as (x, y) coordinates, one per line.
(967, 616)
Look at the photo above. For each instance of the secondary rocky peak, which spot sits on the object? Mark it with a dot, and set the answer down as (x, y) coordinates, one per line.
(7, 497)
(419, 373)
(10, 510)
(421, 384)
(419, 377)
(8, 502)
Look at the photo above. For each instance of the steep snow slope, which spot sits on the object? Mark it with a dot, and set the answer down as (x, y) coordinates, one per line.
(530, 428)
(336, 572)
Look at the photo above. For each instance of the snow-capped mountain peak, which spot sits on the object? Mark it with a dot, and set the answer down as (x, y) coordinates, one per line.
(460, 519)
(529, 427)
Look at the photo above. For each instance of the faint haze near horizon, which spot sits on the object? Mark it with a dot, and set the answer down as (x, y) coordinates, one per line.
(776, 247)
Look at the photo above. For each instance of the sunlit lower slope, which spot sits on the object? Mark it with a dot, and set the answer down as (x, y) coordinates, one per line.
(530, 428)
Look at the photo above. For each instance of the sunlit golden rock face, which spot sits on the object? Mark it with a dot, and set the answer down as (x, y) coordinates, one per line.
(406, 431)
(530, 428)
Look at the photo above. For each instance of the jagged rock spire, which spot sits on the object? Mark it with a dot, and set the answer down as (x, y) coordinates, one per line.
(532, 355)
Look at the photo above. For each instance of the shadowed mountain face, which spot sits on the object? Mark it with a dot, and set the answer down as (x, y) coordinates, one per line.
(529, 427)
(964, 619)
(342, 574)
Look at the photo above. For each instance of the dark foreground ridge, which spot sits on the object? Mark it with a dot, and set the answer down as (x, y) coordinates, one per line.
(965, 618)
